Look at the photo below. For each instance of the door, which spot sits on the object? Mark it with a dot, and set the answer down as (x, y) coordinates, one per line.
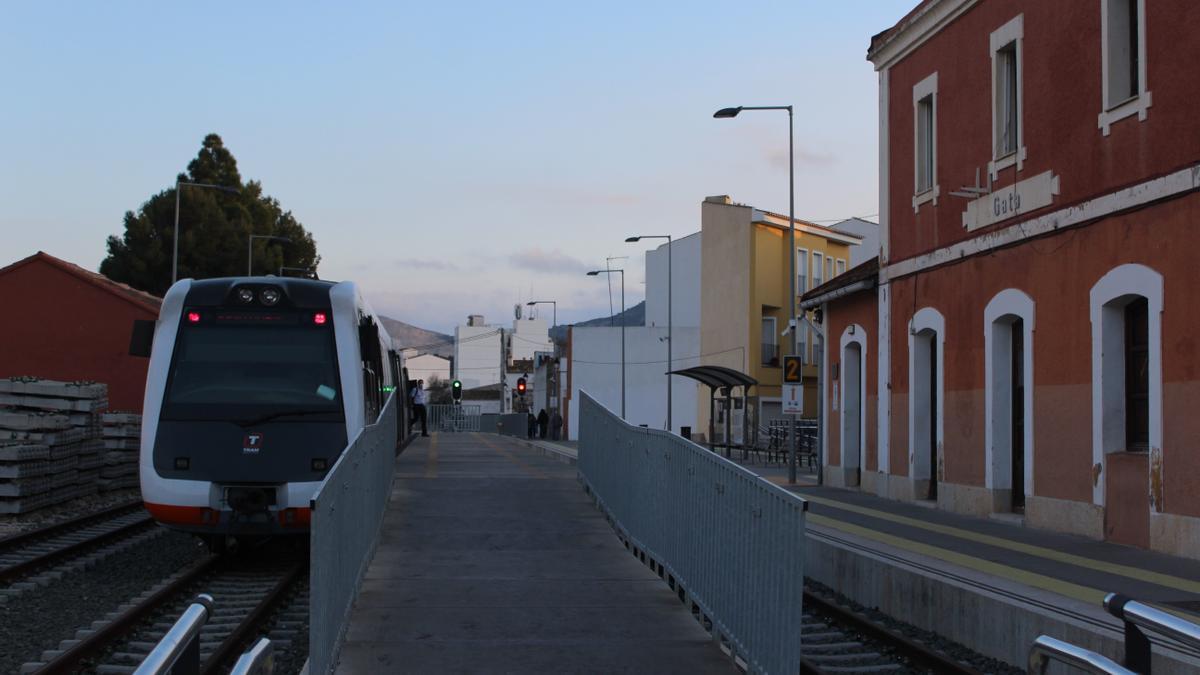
(1017, 455)
(934, 468)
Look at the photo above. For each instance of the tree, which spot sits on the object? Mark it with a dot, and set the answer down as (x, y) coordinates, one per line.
(214, 228)
(439, 390)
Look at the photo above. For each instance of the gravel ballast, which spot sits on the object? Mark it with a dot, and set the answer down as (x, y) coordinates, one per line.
(39, 619)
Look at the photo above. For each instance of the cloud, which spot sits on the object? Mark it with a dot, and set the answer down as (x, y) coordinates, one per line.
(426, 264)
(778, 158)
(549, 262)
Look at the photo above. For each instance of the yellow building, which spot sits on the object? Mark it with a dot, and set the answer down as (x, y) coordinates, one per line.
(744, 292)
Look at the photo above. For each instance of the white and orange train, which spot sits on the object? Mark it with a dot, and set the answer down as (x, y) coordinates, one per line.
(255, 386)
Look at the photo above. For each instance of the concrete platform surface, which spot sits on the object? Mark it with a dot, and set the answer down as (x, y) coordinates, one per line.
(492, 559)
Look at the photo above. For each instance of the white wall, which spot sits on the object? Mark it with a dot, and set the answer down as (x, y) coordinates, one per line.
(477, 355)
(596, 369)
(426, 366)
(685, 275)
(529, 336)
(869, 248)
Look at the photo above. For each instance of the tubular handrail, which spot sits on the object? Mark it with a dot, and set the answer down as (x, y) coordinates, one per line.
(1152, 619)
(258, 660)
(1046, 649)
(182, 641)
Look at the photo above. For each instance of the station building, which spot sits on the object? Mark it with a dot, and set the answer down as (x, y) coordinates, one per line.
(64, 322)
(1027, 344)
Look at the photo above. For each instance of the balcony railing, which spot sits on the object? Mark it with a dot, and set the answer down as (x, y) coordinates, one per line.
(770, 354)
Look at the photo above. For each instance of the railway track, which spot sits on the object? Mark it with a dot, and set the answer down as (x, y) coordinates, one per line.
(247, 590)
(839, 640)
(24, 554)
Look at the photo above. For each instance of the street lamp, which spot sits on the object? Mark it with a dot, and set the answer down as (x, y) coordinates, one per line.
(725, 113)
(554, 304)
(670, 342)
(175, 242)
(623, 319)
(250, 249)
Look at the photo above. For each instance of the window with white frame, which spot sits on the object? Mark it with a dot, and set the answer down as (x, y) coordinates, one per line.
(925, 186)
(841, 267)
(816, 269)
(801, 271)
(828, 267)
(1123, 59)
(1007, 131)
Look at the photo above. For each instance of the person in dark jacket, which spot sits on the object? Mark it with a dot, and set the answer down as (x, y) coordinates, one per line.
(556, 422)
(532, 431)
(543, 423)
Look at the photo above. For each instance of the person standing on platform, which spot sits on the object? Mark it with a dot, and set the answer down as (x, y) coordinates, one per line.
(556, 421)
(543, 422)
(532, 425)
(418, 399)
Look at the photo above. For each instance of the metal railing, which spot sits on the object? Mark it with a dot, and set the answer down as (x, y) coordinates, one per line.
(1137, 617)
(1046, 650)
(259, 660)
(729, 541)
(347, 511)
(448, 417)
(178, 652)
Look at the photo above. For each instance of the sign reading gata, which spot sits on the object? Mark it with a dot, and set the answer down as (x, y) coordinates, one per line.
(1004, 203)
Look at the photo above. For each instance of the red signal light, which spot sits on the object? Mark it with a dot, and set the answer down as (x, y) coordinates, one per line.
(194, 317)
(320, 318)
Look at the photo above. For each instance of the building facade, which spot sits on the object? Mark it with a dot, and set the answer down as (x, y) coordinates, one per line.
(745, 285)
(67, 323)
(1033, 323)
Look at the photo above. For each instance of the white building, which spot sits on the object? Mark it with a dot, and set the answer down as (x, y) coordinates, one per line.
(596, 369)
(869, 248)
(595, 352)
(685, 282)
(477, 353)
(426, 366)
(528, 337)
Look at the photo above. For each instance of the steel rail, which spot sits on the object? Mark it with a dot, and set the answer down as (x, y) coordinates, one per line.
(96, 643)
(231, 647)
(919, 654)
(20, 569)
(58, 528)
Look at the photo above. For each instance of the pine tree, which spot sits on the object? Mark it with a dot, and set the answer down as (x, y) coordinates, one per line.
(214, 228)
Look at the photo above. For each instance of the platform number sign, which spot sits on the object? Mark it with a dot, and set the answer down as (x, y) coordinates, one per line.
(792, 370)
(792, 398)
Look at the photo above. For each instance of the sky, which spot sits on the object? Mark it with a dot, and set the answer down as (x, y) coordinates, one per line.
(453, 158)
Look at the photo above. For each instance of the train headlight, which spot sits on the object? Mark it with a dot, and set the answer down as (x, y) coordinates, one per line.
(245, 296)
(268, 296)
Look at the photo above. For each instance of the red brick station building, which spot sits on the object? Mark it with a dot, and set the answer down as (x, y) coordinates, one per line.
(1027, 344)
(66, 323)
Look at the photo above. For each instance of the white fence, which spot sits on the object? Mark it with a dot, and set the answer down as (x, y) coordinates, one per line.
(732, 541)
(346, 514)
(444, 417)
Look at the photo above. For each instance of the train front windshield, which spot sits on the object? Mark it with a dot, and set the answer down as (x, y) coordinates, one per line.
(249, 367)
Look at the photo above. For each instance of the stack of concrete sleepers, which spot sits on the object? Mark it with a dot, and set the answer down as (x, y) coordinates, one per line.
(122, 436)
(51, 448)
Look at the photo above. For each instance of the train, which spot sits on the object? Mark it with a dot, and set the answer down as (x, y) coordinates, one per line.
(254, 388)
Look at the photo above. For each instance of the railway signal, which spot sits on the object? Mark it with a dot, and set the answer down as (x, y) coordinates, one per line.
(521, 386)
(456, 390)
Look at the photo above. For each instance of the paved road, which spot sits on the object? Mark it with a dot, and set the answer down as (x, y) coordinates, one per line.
(492, 559)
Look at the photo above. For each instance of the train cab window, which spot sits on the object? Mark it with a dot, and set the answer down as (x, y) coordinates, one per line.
(233, 371)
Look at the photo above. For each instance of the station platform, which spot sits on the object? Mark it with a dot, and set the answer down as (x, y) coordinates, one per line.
(990, 584)
(493, 559)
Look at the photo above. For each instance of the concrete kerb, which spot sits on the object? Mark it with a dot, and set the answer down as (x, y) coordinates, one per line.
(549, 449)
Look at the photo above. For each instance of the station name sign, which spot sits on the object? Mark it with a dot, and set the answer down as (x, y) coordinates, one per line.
(1023, 197)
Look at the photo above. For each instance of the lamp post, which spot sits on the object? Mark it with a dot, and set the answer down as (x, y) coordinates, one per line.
(250, 249)
(175, 242)
(552, 303)
(725, 113)
(622, 273)
(670, 342)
